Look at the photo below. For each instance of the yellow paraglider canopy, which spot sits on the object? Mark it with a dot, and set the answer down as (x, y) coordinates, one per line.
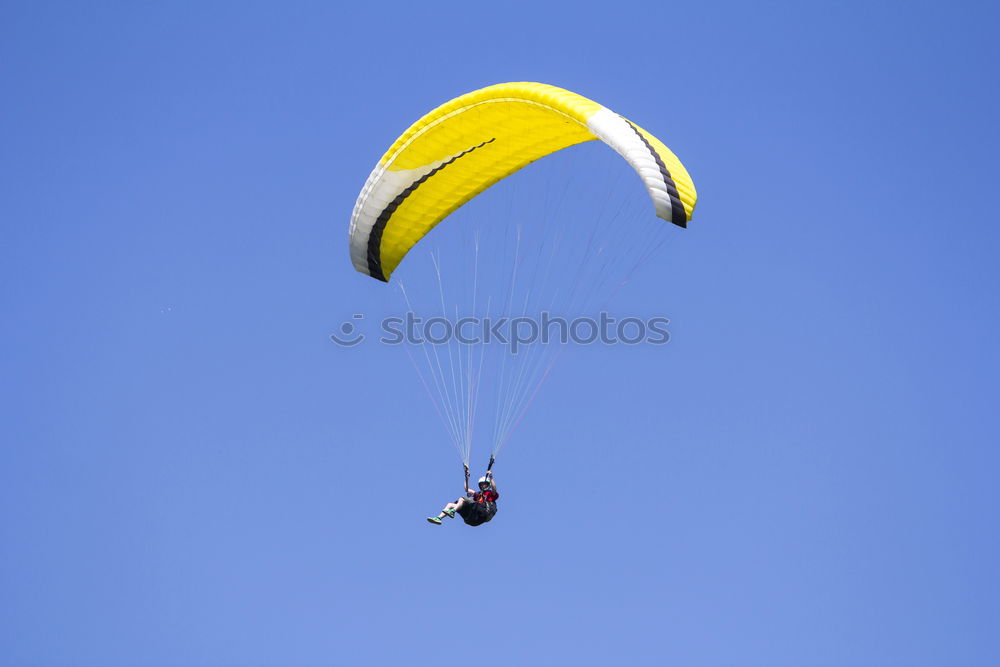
(466, 145)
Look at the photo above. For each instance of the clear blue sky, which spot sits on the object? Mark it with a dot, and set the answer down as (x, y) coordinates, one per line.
(192, 474)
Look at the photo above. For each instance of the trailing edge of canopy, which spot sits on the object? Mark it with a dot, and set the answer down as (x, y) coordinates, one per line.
(466, 145)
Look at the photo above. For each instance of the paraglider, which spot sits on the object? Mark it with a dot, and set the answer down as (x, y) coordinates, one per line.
(477, 507)
(452, 155)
